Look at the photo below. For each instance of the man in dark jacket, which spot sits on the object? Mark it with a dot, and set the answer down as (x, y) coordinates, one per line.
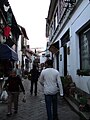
(34, 74)
(13, 85)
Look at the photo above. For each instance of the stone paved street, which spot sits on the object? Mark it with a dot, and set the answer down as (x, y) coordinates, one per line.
(34, 108)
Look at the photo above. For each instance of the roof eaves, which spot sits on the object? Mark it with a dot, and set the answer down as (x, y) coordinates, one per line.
(51, 9)
(23, 31)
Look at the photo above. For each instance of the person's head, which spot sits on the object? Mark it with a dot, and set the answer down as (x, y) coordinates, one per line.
(13, 73)
(49, 63)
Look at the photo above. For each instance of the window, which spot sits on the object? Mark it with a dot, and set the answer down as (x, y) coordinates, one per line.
(51, 29)
(62, 8)
(56, 19)
(85, 49)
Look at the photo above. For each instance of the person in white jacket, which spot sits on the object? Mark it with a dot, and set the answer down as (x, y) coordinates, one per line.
(51, 82)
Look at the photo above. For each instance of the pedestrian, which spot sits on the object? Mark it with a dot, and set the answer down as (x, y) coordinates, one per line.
(12, 85)
(34, 74)
(51, 82)
(18, 70)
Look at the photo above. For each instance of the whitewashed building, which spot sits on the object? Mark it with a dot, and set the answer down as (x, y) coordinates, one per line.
(68, 30)
(22, 44)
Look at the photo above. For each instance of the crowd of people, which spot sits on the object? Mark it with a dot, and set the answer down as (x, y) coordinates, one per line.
(48, 78)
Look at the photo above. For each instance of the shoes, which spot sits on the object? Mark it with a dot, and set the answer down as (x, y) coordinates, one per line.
(9, 114)
(35, 94)
(31, 93)
(55, 118)
(15, 111)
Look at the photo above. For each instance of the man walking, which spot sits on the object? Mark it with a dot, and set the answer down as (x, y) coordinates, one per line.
(12, 86)
(34, 74)
(51, 82)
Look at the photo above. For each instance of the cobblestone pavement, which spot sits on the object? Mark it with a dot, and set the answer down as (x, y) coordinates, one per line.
(34, 108)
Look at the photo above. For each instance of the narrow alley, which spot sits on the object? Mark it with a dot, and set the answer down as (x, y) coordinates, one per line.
(33, 32)
(34, 108)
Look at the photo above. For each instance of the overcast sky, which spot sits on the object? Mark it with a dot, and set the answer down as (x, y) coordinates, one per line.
(31, 15)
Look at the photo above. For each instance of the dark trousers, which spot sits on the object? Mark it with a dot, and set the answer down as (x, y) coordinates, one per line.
(33, 84)
(51, 106)
(13, 98)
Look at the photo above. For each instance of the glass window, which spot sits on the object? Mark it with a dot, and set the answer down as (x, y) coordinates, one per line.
(51, 29)
(62, 7)
(56, 19)
(85, 49)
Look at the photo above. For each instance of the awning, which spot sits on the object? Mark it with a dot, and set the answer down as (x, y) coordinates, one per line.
(54, 47)
(7, 53)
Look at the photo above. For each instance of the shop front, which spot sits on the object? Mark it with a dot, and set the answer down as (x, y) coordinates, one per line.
(7, 59)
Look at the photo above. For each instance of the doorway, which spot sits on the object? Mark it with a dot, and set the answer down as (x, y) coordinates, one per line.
(65, 60)
(57, 62)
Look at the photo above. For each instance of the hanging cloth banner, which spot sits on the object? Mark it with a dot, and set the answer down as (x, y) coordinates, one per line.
(54, 47)
(7, 31)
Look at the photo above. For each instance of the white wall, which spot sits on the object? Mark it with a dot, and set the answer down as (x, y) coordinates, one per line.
(80, 17)
(19, 52)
